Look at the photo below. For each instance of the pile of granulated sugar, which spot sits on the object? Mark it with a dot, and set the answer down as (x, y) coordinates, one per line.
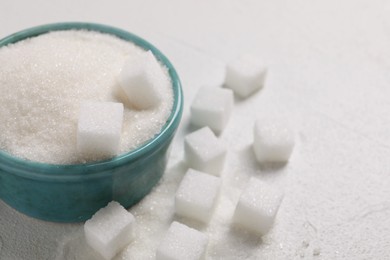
(44, 79)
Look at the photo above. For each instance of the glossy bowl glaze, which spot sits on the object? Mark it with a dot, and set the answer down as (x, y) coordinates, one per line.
(73, 193)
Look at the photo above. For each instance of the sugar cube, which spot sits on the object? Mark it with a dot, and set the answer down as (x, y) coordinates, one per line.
(212, 107)
(273, 141)
(110, 230)
(182, 242)
(204, 151)
(257, 207)
(245, 75)
(140, 79)
(197, 195)
(99, 128)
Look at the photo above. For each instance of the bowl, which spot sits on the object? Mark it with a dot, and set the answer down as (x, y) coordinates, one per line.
(73, 193)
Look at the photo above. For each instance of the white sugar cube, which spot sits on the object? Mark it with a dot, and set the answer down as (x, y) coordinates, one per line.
(99, 128)
(182, 242)
(212, 107)
(245, 75)
(197, 195)
(257, 207)
(204, 151)
(140, 79)
(110, 230)
(273, 141)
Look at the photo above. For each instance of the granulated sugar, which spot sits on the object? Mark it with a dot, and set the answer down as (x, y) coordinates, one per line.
(44, 79)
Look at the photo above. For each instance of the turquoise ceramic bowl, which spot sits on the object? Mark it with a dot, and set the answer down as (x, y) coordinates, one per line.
(72, 193)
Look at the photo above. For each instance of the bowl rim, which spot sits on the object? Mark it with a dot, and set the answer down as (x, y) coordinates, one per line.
(33, 169)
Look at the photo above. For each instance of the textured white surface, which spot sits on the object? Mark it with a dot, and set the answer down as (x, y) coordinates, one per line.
(141, 78)
(273, 140)
(257, 207)
(197, 195)
(99, 129)
(245, 75)
(204, 151)
(328, 66)
(110, 229)
(182, 242)
(212, 107)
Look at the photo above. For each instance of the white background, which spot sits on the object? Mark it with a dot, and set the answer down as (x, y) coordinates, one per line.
(329, 76)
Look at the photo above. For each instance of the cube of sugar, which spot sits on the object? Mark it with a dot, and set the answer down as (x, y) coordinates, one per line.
(140, 79)
(99, 128)
(245, 75)
(197, 195)
(212, 107)
(204, 151)
(273, 141)
(257, 207)
(182, 242)
(110, 230)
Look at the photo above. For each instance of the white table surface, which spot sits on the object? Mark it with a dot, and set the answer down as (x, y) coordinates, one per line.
(329, 76)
